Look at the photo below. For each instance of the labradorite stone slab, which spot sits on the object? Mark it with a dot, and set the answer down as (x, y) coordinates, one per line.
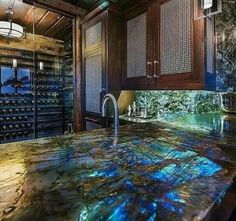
(150, 171)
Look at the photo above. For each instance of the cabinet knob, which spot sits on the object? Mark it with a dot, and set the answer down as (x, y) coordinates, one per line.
(149, 68)
(156, 64)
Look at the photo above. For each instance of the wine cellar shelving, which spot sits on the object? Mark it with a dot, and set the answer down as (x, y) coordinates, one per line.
(35, 102)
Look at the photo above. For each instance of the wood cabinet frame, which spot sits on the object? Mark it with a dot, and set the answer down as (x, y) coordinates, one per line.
(192, 80)
(110, 47)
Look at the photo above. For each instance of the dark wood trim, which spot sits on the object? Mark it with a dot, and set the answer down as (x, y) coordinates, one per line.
(168, 86)
(59, 6)
(99, 9)
(198, 38)
(77, 75)
(135, 11)
(133, 5)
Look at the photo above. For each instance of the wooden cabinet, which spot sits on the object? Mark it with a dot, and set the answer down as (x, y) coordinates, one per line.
(101, 60)
(138, 47)
(165, 47)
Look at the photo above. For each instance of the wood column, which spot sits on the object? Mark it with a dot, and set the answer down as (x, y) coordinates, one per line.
(76, 13)
(77, 74)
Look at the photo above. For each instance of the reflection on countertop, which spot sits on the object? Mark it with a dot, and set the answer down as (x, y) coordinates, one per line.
(216, 121)
(150, 171)
(135, 119)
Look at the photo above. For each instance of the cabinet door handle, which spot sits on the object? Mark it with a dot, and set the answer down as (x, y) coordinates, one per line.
(92, 120)
(149, 68)
(156, 64)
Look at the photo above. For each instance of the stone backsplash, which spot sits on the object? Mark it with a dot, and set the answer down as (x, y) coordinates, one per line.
(226, 47)
(178, 102)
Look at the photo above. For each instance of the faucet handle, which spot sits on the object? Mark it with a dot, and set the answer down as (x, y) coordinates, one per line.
(102, 90)
(160, 113)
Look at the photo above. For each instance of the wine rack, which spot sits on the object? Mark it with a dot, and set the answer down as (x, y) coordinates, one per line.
(49, 90)
(34, 103)
(68, 84)
(16, 117)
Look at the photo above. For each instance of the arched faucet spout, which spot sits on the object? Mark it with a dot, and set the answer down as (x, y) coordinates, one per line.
(106, 98)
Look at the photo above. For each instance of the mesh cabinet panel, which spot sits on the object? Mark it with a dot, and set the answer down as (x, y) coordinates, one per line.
(94, 34)
(93, 82)
(136, 46)
(175, 38)
(210, 47)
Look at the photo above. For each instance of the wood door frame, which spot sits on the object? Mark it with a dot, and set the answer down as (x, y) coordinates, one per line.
(76, 14)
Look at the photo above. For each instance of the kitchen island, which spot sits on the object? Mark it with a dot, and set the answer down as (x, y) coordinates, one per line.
(150, 171)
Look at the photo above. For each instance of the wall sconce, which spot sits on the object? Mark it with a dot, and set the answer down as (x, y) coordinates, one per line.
(14, 63)
(207, 4)
(206, 8)
(41, 66)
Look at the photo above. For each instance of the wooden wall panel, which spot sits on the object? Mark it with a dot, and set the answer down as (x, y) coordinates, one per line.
(35, 43)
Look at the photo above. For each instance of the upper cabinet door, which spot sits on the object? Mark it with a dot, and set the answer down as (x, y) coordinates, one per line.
(93, 34)
(175, 37)
(179, 46)
(138, 44)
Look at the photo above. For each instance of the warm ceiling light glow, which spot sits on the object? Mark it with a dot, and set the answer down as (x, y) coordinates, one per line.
(11, 30)
(207, 4)
(14, 63)
(41, 66)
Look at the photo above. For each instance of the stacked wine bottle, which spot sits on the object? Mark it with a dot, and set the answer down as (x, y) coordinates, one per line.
(16, 117)
(36, 95)
(49, 99)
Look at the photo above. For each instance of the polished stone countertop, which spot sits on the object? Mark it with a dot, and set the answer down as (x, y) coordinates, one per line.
(135, 119)
(151, 171)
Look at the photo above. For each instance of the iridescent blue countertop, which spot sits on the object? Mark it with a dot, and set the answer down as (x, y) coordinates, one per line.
(150, 171)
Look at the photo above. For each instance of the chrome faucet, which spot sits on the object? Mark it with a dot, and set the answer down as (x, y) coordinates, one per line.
(106, 98)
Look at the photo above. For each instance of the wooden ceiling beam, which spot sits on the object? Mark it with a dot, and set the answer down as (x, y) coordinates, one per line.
(54, 25)
(29, 14)
(42, 18)
(59, 6)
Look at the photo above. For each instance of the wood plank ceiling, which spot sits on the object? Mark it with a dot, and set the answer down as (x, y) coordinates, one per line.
(88, 4)
(45, 22)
